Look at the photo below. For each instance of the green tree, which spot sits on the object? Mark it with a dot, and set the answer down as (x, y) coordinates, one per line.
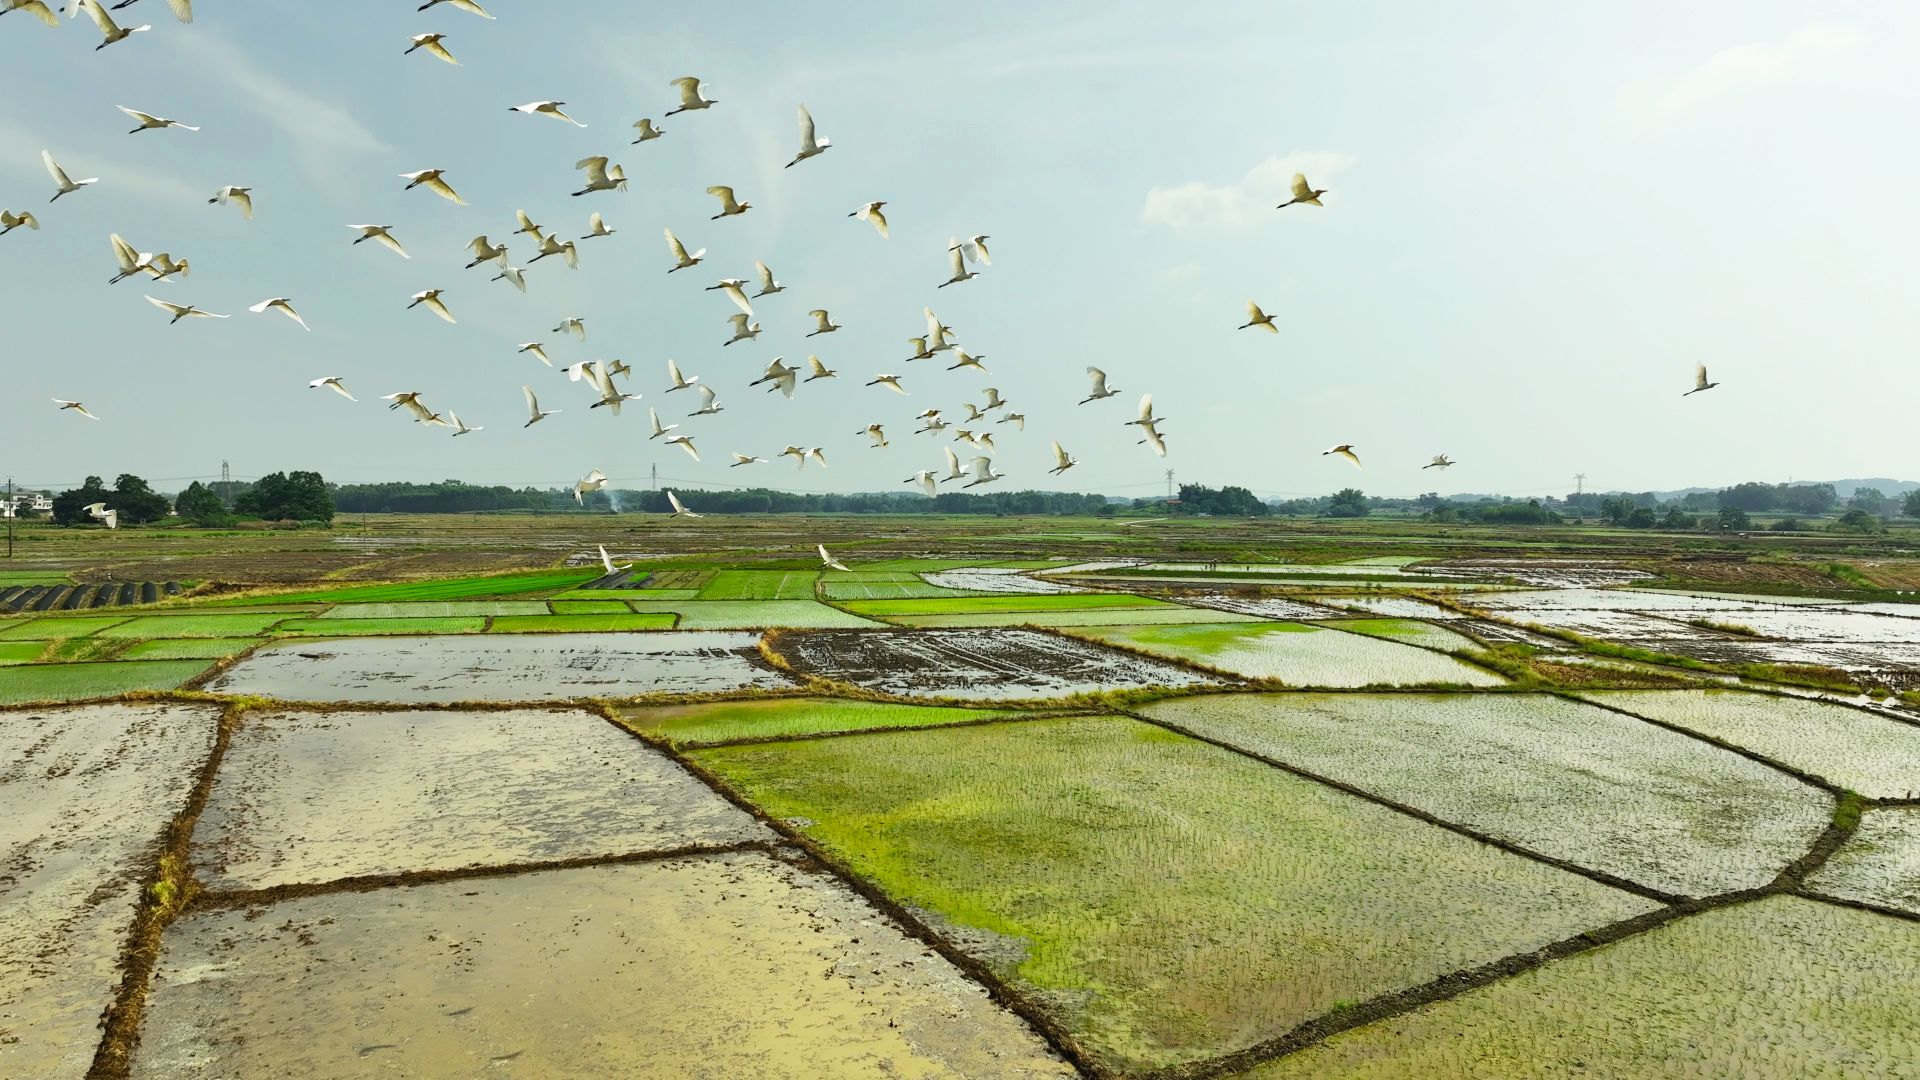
(296, 496)
(137, 503)
(1872, 500)
(1677, 520)
(1615, 509)
(1733, 519)
(69, 507)
(1911, 506)
(1640, 518)
(1858, 521)
(1347, 503)
(200, 505)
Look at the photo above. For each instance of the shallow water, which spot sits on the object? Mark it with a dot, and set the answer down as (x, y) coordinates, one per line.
(1297, 654)
(1880, 864)
(984, 665)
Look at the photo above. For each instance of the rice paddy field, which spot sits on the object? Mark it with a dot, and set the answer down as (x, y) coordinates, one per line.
(432, 797)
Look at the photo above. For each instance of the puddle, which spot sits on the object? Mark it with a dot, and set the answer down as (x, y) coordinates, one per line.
(502, 667)
(313, 797)
(1394, 607)
(1595, 788)
(986, 665)
(1265, 607)
(1545, 573)
(991, 580)
(712, 968)
(1297, 654)
(1880, 864)
(87, 793)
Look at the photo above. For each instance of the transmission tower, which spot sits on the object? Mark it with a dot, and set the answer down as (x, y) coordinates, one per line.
(226, 485)
(1169, 485)
(1579, 483)
(654, 474)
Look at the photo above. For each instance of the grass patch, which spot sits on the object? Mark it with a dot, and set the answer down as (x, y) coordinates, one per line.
(1169, 615)
(72, 682)
(1734, 629)
(1296, 654)
(532, 581)
(374, 627)
(81, 650)
(189, 649)
(728, 721)
(622, 595)
(584, 623)
(974, 605)
(589, 607)
(10, 578)
(437, 609)
(873, 587)
(188, 626)
(46, 629)
(752, 614)
(20, 652)
(760, 585)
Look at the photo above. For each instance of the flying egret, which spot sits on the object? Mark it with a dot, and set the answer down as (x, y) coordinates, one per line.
(691, 96)
(593, 481)
(967, 436)
(994, 400)
(1100, 388)
(241, 197)
(729, 207)
(877, 434)
(768, 286)
(1018, 420)
(551, 245)
(109, 30)
(10, 221)
(527, 226)
(1256, 317)
(1440, 461)
(535, 413)
(463, 5)
(597, 226)
(1153, 439)
(741, 330)
(1700, 381)
(965, 359)
(607, 561)
(573, 324)
(974, 248)
(332, 382)
(822, 323)
(934, 425)
(871, 212)
(485, 250)
(284, 305)
(60, 179)
(891, 382)
(515, 276)
(919, 349)
(685, 442)
(682, 260)
(611, 396)
(679, 382)
(647, 131)
(433, 180)
(433, 44)
(162, 266)
(1302, 193)
(410, 401)
(798, 455)
(620, 367)
(75, 406)
(819, 369)
(973, 412)
(924, 478)
(582, 370)
(460, 426)
(37, 8)
(740, 459)
(737, 294)
(709, 403)
(957, 260)
(817, 454)
(100, 513)
(182, 9)
(954, 471)
(538, 350)
(182, 311)
(546, 108)
(982, 469)
(1146, 419)
(984, 441)
(150, 122)
(811, 145)
(780, 375)
(829, 561)
(937, 332)
(1062, 461)
(600, 177)
(1345, 450)
(678, 509)
(431, 298)
(131, 261)
(383, 234)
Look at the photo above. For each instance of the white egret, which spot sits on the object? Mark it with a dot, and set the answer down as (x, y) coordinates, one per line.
(464, 5)
(573, 324)
(994, 400)
(410, 401)
(619, 367)
(1303, 193)
(593, 481)
(1018, 420)
(678, 509)
(709, 402)
(647, 131)
(9, 221)
(1700, 381)
(241, 197)
(964, 359)
(871, 212)
(535, 413)
(606, 560)
(679, 382)
(131, 262)
(891, 382)
(538, 350)
(1146, 419)
(150, 122)
(973, 412)
(552, 245)
(162, 266)
(36, 8)
(924, 478)
(937, 332)
(597, 226)
(109, 30)
(183, 311)
(822, 324)
(284, 305)
(66, 184)
(829, 561)
(740, 459)
(1256, 317)
(780, 375)
(527, 226)
(460, 426)
(611, 396)
(1154, 439)
(967, 436)
(433, 44)
(431, 298)
(383, 234)
(819, 369)
(984, 441)
(729, 207)
(685, 442)
(768, 286)
(515, 276)
(741, 330)
(182, 9)
(954, 471)
(982, 469)
(600, 177)
(931, 422)
(1440, 461)
(737, 294)
(974, 248)
(691, 96)
(1062, 461)
(811, 145)
(74, 406)
(332, 382)
(877, 434)
(919, 349)
(1100, 388)
(100, 513)
(546, 108)
(433, 180)
(818, 455)
(798, 455)
(1344, 450)
(485, 250)
(681, 260)
(957, 261)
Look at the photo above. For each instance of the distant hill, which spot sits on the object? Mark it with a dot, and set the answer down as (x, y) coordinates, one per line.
(1842, 488)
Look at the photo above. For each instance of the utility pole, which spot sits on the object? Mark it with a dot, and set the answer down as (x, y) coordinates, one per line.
(1169, 485)
(653, 472)
(12, 512)
(1579, 483)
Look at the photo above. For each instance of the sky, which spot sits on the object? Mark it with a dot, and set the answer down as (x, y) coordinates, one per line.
(1539, 218)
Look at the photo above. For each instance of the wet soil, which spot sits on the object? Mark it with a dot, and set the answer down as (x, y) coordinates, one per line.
(987, 665)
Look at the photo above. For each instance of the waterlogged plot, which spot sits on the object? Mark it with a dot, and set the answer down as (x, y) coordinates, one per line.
(1265, 607)
(1408, 631)
(893, 586)
(78, 682)
(1875, 756)
(750, 614)
(313, 797)
(1393, 607)
(1160, 616)
(548, 624)
(88, 792)
(503, 667)
(976, 605)
(1571, 781)
(1096, 864)
(1777, 989)
(726, 721)
(1880, 864)
(1297, 654)
(440, 609)
(986, 665)
(737, 966)
(981, 579)
(194, 626)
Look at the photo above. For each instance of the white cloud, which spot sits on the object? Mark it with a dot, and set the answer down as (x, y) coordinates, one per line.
(322, 132)
(1200, 206)
(20, 156)
(1807, 50)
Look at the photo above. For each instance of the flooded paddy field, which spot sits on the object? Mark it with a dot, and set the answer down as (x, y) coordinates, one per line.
(988, 665)
(1880, 864)
(1297, 654)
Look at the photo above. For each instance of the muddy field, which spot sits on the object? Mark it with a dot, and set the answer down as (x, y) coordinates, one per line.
(987, 665)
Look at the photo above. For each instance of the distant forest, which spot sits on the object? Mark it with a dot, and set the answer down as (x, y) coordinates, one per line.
(455, 497)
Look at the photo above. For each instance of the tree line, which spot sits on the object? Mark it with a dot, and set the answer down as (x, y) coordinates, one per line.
(281, 496)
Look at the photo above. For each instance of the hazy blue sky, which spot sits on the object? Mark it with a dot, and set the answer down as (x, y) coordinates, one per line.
(1541, 215)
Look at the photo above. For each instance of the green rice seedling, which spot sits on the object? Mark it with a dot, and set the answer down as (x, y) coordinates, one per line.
(20, 652)
(74, 682)
(189, 648)
(1879, 864)
(752, 614)
(968, 605)
(436, 609)
(728, 721)
(533, 581)
(1411, 631)
(760, 585)
(588, 607)
(1295, 653)
(59, 626)
(547, 624)
(366, 627)
(189, 626)
(1162, 616)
